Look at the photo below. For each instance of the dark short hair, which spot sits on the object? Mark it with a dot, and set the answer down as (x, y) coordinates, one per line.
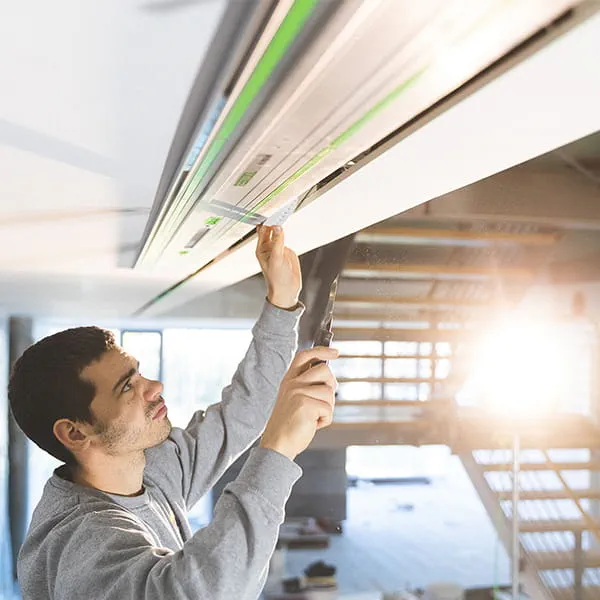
(46, 384)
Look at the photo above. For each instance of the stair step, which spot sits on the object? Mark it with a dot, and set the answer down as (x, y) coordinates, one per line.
(478, 431)
(588, 592)
(549, 525)
(558, 466)
(547, 561)
(561, 494)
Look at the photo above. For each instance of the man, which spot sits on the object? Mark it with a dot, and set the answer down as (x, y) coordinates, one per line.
(111, 524)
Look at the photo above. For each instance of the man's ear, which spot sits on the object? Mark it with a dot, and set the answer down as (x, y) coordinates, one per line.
(75, 436)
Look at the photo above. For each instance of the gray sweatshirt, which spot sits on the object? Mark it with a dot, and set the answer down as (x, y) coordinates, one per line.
(83, 543)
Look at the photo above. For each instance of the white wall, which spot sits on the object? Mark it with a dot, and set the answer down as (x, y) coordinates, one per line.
(5, 551)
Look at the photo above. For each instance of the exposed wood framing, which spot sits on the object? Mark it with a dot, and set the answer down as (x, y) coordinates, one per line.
(452, 237)
(413, 271)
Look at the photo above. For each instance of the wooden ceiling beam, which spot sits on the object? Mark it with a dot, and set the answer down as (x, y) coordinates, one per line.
(388, 317)
(426, 404)
(390, 334)
(394, 356)
(451, 237)
(442, 272)
(407, 380)
(425, 303)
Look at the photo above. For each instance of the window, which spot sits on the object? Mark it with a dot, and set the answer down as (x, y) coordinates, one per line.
(198, 363)
(145, 346)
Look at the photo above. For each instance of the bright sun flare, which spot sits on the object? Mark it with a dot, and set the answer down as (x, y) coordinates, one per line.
(522, 368)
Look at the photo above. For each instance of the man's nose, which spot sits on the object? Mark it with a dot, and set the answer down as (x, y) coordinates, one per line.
(153, 389)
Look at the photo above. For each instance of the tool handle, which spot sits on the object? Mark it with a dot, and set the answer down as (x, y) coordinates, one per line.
(323, 338)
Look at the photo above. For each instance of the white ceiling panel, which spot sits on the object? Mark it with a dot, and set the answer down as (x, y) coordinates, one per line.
(548, 100)
(91, 96)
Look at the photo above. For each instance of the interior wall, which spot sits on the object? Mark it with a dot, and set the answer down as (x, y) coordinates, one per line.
(5, 551)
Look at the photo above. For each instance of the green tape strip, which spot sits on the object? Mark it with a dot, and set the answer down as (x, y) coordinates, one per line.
(293, 22)
(357, 125)
(291, 25)
(338, 141)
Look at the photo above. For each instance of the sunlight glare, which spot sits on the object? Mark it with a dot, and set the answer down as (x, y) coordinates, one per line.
(521, 368)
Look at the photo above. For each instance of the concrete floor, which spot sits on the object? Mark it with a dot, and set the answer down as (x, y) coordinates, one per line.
(388, 546)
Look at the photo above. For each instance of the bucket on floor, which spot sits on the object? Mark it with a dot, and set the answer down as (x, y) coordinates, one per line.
(444, 591)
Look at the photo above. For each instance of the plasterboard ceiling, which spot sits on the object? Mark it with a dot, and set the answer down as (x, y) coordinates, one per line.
(95, 90)
(91, 95)
(511, 120)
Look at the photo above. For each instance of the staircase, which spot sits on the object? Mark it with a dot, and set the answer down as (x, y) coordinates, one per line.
(403, 326)
(559, 530)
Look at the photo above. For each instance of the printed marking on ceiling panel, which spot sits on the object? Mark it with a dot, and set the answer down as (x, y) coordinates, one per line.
(407, 100)
(283, 27)
(224, 185)
(299, 155)
(326, 120)
(184, 231)
(243, 24)
(230, 229)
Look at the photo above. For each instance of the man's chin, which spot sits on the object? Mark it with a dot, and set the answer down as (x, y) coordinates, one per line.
(164, 433)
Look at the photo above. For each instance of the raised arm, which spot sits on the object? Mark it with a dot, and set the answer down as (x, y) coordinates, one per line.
(109, 555)
(194, 458)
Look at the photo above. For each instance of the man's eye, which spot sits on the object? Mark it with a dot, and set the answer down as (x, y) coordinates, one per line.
(127, 387)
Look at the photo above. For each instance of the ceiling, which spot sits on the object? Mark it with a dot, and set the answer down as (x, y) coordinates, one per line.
(91, 99)
(533, 227)
(530, 233)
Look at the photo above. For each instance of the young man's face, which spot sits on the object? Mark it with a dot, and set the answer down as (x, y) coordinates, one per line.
(129, 410)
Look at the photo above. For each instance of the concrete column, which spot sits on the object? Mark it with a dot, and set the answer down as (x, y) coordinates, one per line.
(319, 268)
(20, 338)
(321, 492)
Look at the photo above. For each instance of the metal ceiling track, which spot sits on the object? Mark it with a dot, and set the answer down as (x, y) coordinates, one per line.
(316, 84)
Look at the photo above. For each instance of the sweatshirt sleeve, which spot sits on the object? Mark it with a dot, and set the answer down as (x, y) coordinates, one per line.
(193, 459)
(110, 556)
